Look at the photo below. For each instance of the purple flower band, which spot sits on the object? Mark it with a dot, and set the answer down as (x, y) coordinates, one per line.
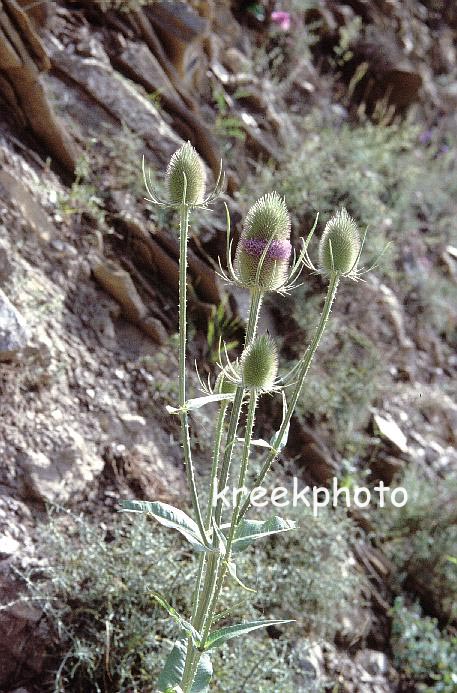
(278, 250)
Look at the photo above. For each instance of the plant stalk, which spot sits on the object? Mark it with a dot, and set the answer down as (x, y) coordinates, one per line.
(183, 235)
(236, 513)
(254, 310)
(240, 512)
(213, 562)
(220, 567)
(303, 372)
(215, 464)
(205, 600)
(191, 651)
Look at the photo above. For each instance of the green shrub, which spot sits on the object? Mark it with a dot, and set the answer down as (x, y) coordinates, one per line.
(421, 537)
(377, 173)
(95, 584)
(355, 167)
(421, 651)
(96, 593)
(342, 387)
(83, 196)
(312, 570)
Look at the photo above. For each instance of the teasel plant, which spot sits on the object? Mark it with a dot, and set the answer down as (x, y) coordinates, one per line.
(262, 263)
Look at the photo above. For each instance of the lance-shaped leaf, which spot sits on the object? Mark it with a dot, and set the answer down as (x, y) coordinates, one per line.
(231, 566)
(169, 516)
(222, 541)
(249, 531)
(199, 402)
(257, 442)
(218, 637)
(276, 442)
(172, 673)
(182, 623)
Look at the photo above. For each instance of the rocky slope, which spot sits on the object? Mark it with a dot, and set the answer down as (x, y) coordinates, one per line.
(88, 272)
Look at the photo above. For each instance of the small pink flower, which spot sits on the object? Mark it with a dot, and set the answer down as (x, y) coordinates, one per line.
(282, 19)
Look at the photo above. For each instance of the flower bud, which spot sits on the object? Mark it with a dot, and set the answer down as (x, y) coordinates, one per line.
(186, 161)
(259, 364)
(268, 218)
(340, 241)
(267, 226)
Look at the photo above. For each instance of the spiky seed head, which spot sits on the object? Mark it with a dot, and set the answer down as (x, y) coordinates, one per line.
(264, 244)
(341, 239)
(186, 161)
(268, 219)
(224, 386)
(259, 364)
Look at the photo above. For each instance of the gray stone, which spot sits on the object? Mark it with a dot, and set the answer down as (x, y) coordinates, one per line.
(120, 99)
(118, 283)
(236, 61)
(5, 264)
(139, 60)
(310, 660)
(135, 425)
(14, 333)
(374, 662)
(8, 546)
(70, 468)
(64, 248)
(183, 31)
(31, 212)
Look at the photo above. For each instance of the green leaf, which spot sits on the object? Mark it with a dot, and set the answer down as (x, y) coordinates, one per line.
(199, 402)
(232, 570)
(230, 564)
(275, 442)
(280, 444)
(258, 442)
(203, 675)
(185, 625)
(218, 637)
(221, 538)
(168, 516)
(249, 531)
(172, 673)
